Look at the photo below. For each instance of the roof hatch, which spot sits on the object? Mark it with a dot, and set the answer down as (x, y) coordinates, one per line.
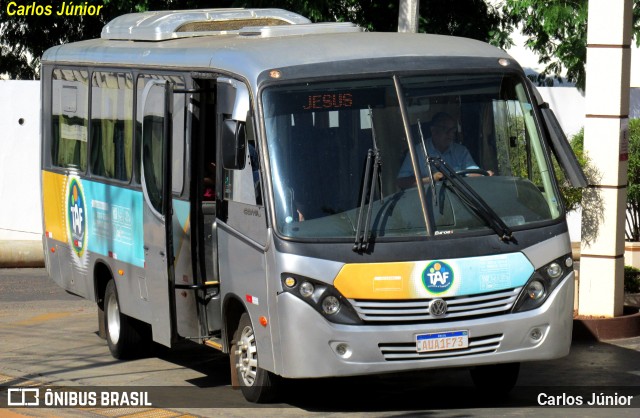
(172, 24)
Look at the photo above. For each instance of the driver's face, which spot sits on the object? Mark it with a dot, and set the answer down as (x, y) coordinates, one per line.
(443, 133)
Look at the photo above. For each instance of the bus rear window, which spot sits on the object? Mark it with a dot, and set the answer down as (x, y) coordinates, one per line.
(69, 121)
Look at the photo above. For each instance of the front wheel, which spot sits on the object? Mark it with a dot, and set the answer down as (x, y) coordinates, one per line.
(257, 385)
(496, 379)
(124, 338)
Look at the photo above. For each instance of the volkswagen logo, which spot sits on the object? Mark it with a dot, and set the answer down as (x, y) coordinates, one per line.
(438, 307)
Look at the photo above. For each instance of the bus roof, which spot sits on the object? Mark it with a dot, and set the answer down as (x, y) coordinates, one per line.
(250, 51)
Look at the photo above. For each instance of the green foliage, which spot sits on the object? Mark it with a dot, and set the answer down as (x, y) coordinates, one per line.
(575, 197)
(633, 185)
(29, 36)
(557, 32)
(23, 39)
(631, 279)
(467, 18)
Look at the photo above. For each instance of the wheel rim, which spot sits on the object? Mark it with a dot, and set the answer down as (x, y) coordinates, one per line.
(247, 357)
(113, 319)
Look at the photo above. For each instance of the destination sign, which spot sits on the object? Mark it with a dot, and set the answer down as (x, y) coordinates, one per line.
(328, 101)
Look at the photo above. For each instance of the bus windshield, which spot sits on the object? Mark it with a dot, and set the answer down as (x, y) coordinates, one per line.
(321, 136)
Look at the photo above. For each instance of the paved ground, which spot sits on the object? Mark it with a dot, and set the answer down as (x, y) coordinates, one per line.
(48, 337)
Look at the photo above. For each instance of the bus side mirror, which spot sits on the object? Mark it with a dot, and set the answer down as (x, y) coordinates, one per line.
(562, 149)
(233, 108)
(234, 144)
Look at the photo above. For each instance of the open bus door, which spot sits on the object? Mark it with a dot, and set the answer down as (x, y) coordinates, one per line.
(157, 212)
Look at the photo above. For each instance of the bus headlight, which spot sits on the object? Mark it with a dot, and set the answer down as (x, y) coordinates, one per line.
(535, 290)
(330, 305)
(322, 297)
(542, 283)
(306, 289)
(554, 270)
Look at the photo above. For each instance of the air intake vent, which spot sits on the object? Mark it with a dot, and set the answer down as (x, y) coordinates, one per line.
(313, 28)
(229, 25)
(172, 24)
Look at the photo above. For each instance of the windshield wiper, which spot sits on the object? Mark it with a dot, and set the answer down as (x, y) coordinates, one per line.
(427, 158)
(473, 199)
(372, 176)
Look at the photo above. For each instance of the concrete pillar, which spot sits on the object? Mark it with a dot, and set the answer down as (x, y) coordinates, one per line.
(601, 288)
(408, 16)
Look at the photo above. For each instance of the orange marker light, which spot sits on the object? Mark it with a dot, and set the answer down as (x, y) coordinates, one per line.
(263, 321)
(53, 249)
(121, 272)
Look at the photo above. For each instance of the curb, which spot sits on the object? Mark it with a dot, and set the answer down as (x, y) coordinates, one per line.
(21, 254)
(604, 329)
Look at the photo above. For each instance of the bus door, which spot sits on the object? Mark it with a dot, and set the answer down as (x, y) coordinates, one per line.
(204, 196)
(241, 222)
(157, 208)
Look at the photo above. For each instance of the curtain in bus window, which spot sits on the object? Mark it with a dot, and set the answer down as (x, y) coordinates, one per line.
(112, 125)
(69, 100)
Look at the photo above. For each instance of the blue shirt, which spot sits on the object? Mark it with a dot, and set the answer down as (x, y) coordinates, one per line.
(457, 156)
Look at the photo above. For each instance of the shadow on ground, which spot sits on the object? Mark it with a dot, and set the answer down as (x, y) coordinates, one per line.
(590, 368)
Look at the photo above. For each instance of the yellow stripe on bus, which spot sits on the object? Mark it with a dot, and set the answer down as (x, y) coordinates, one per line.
(53, 192)
(376, 281)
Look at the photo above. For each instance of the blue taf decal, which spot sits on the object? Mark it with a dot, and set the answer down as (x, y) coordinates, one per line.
(437, 277)
(77, 216)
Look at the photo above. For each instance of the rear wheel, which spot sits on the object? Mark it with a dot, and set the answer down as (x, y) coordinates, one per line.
(257, 385)
(124, 336)
(496, 379)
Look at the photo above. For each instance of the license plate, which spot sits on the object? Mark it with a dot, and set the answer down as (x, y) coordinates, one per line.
(440, 341)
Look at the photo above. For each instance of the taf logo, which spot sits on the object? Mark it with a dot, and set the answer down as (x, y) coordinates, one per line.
(437, 277)
(77, 216)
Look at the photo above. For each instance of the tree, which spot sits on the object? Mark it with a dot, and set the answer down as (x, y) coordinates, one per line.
(468, 18)
(633, 187)
(25, 38)
(557, 32)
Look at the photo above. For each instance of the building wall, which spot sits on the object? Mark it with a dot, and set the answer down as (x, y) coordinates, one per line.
(20, 213)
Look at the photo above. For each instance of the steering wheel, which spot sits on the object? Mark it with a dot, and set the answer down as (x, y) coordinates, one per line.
(468, 171)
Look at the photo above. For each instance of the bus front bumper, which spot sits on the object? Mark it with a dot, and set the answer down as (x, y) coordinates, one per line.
(311, 347)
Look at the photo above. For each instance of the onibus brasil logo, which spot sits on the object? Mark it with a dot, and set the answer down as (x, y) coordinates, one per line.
(76, 217)
(437, 277)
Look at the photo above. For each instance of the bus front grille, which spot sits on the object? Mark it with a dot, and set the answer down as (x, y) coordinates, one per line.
(417, 310)
(407, 351)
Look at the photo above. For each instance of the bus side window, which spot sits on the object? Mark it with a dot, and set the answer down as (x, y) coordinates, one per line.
(112, 125)
(69, 121)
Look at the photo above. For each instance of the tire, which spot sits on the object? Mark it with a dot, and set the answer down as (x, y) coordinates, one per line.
(123, 334)
(257, 385)
(495, 379)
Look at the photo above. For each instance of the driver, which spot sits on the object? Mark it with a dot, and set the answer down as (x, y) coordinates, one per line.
(440, 143)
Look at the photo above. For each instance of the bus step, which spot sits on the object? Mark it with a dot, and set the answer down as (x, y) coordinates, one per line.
(214, 342)
(206, 285)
